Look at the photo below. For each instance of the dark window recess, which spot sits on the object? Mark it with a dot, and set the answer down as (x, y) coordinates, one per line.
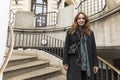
(65, 4)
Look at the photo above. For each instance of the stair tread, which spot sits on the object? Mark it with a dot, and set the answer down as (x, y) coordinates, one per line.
(35, 73)
(25, 65)
(59, 77)
(16, 57)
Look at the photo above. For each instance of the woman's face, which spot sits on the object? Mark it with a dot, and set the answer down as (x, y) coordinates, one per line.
(81, 20)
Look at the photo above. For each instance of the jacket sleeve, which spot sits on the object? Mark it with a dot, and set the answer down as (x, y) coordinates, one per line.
(66, 48)
(95, 59)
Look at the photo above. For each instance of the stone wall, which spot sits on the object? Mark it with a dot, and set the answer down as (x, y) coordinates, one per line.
(107, 29)
(24, 19)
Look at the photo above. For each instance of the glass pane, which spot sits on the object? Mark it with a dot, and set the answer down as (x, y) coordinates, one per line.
(44, 9)
(39, 1)
(38, 9)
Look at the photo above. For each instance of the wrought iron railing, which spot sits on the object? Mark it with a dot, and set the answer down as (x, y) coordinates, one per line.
(91, 7)
(46, 19)
(34, 39)
(107, 71)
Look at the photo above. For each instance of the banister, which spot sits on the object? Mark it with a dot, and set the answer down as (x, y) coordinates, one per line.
(80, 4)
(109, 65)
(9, 51)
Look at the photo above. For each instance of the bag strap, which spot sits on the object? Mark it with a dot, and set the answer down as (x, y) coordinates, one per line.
(78, 37)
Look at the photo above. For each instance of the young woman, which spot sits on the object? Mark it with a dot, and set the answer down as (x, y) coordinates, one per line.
(83, 64)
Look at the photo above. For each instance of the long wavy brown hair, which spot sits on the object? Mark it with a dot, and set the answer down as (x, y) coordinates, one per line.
(86, 27)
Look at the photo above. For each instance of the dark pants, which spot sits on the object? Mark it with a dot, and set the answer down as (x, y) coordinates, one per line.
(84, 77)
(83, 74)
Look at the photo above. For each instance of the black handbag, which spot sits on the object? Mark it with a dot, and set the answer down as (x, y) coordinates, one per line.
(74, 47)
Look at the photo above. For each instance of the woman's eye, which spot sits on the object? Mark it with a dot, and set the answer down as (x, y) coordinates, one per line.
(81, 18)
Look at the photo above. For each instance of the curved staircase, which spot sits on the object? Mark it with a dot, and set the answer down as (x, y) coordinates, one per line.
(30, 68)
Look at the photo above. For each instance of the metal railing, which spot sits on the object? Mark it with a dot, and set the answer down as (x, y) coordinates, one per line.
(8, 55)
(46, 19)
(107, 71)
(91, 7)
(108, 14)
(30, 39)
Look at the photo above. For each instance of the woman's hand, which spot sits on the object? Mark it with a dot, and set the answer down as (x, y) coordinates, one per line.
(95, 69)
(65, 67)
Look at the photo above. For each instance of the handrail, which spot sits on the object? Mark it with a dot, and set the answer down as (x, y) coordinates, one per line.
(112, 67)
(80, 4)
(41, 30)
(9, 51)
(102, 16)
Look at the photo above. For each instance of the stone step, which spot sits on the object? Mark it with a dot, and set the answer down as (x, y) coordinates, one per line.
(24, 68)
(59, 77)
(41, 74)
(26, 65)
(15, 59)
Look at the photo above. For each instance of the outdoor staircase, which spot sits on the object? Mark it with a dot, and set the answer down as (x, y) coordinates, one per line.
(31, 68)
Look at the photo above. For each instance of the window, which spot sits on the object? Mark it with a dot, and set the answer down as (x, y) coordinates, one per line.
(39, 7)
